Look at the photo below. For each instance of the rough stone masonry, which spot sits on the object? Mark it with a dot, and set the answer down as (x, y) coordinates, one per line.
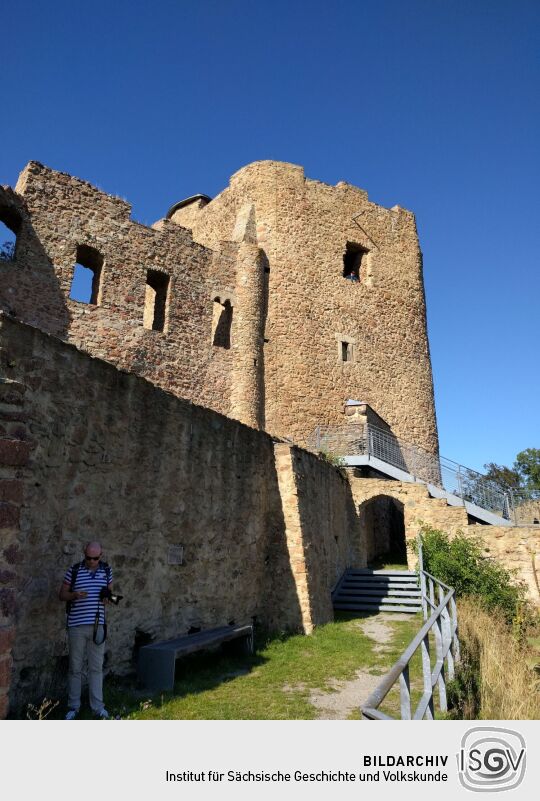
(272, 303)
(162, 411)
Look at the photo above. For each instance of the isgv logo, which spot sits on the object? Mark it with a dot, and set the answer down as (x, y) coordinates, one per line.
(491, 759)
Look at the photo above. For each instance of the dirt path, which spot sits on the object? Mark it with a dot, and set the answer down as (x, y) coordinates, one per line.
(344, 697)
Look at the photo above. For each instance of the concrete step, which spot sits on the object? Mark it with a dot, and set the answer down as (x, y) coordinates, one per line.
(377, 599)
(367, 572)
(359, 591)
(383, 585)
(377, 608)
(365, 590)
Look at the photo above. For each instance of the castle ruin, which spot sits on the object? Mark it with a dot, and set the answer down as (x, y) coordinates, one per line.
(169, 414)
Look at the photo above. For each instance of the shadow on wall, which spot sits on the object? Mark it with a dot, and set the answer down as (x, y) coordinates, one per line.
(382, 523)
(118, 459)
(27, 273)
(332, 535)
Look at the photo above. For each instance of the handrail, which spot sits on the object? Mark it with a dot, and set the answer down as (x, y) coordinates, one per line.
(443, 623)
(364, 439)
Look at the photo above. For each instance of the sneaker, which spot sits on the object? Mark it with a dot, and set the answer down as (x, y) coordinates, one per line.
(102, 715)
(71, 714)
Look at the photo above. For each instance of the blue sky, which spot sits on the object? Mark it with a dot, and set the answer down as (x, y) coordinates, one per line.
(433, 105)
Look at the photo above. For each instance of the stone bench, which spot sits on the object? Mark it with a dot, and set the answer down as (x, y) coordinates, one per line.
(156, 662)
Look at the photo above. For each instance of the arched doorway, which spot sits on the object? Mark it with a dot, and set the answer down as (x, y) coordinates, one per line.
(382, 528)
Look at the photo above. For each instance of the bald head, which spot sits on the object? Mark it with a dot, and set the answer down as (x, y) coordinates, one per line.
(92, 549)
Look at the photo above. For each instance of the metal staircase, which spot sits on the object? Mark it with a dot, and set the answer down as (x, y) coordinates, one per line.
(378, 591)
(366, 446)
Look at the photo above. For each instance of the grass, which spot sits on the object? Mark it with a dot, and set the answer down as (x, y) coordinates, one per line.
(391, 704)
(498, 678)
(274, 684)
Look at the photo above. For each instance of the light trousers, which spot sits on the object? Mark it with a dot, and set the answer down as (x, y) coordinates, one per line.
(81, 644)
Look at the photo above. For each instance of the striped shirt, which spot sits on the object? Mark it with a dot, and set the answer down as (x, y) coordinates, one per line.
(83, 611)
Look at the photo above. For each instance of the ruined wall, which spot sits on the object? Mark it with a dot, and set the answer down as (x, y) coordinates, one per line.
(90, 451)
(322, 528)
(516, 547)
(303, 227)
(418, 506)
(59, 213)
(15, 451)
(272, 247)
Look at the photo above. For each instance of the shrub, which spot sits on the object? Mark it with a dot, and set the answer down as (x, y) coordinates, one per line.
(495, 678)
(461, 563)
(333, 459)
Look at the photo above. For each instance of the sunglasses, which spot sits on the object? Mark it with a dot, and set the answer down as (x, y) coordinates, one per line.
(92, 558)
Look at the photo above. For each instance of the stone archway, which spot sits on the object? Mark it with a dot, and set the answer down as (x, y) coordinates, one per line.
(382, 527)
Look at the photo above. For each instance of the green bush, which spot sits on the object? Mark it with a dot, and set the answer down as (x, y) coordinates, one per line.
(333, 459)
(461, 563)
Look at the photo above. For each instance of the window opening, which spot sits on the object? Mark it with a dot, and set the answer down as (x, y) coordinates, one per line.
(353, 260)
(221, 324)
(346, 351)
(155, 301)
(10, 223)
(86, 283)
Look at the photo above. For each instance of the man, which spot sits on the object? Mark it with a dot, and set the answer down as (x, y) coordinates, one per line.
(81, 590)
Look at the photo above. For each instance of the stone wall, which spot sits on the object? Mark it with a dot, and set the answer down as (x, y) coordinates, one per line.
(303, 227)
(15, 449)
(105, 454)
(515, 547)
(268, 253)
(322, 529)
(59, 214)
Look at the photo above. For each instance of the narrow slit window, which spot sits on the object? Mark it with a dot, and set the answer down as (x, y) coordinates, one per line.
(346, 351)
(155, 301)
(353, 261)
(10, 223)
(222, 324)
(87, 272)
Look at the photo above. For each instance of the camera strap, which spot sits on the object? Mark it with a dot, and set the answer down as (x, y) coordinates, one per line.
(96, 626)
(107, 570)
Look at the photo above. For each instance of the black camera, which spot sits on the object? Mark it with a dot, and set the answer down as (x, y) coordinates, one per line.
(106, 595)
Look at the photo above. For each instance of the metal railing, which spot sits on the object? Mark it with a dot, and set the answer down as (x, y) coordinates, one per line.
(359, 439)
(525, 506)
(442, 621)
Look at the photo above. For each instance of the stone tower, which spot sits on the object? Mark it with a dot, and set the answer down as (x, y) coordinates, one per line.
(346, 314)
(273, 303)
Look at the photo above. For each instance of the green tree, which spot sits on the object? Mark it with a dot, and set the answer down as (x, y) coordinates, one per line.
(506, 476)
(527, 465)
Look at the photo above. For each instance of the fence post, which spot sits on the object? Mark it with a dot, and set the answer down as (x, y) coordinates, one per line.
(426, 673)
(422, 577)
(512, 512)
(447, 635)
(455, 636)
(405, 694)
(443, 706)
(460, 483)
